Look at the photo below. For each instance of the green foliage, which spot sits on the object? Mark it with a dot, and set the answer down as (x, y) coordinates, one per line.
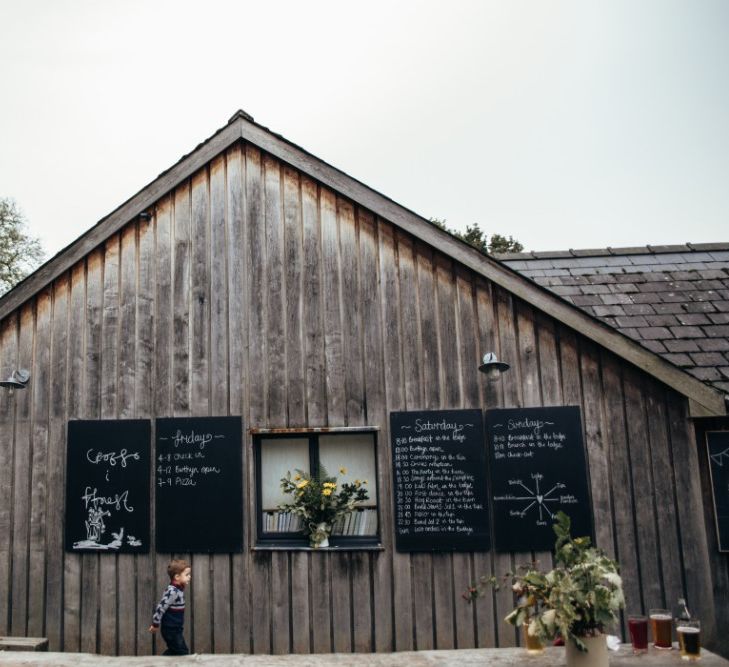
(477, 238)
(578, 598)
(318, 498)
(20, 253)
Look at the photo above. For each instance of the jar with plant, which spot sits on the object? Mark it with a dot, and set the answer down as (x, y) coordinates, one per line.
(320, 501)
(577, 599)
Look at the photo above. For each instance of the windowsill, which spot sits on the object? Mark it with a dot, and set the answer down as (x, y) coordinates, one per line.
(303, 547)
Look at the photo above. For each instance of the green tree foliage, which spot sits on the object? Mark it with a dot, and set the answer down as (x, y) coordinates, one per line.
(20, 253)
(477, 238)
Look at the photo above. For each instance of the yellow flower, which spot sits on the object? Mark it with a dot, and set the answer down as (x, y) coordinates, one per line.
(364, 481)
(327, 492)
(357, 482)
(302, 484)
(297, 477)
(342, 471)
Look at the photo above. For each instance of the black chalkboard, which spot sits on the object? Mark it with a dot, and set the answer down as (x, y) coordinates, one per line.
(717, 445)
(537, 467)
(198, 483)
(107, 486)
(439, 472)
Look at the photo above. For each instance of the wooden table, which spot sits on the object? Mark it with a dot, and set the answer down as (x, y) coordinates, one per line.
(489, 657)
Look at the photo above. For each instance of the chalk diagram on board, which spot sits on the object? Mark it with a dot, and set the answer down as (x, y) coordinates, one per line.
(96, 527)
(537, 500)
(721, 457)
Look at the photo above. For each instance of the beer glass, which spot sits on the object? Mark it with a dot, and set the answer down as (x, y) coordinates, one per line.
(532, 642)
(661, 621)
(689, 638)
(638, 628)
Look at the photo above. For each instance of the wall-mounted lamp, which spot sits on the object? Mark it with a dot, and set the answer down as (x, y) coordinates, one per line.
(492, 367)
(18, 380)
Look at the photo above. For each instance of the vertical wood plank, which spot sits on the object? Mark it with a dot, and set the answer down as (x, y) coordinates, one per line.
(165, 373)
(91, 409)
(506, 322)
(596, 440)
(39, 390)
(619, 475)
(350, 309)
(22, 480)
(320, 574)
(643, 492)
(665, 498)
(341, 604)
(181, 309)
(257, 353)
(690, 514)
(56, 464)
(110, 373)
(182, 263)
(294, 298)
(296, 403)
(463, 564)
(9, 361)
(219, 382)
(314, 359)
(333, 344)
(76, 353)
(483, 565)
(276, 372)
(428, 372)
(144, 404)
(373, 631)
(200, 316)
(450, 397)
(407, 396)
(238, 370)
(126, 570)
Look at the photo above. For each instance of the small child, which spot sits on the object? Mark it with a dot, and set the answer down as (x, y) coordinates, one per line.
(170, 612)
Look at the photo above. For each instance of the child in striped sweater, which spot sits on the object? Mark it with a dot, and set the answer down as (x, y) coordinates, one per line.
(169, 616)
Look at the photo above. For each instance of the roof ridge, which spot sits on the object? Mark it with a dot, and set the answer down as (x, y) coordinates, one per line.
(611, 252)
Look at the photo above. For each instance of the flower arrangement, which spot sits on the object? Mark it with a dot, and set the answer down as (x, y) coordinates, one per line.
(320, 501)
(577, 599)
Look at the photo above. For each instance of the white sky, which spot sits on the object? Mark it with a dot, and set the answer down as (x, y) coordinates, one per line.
(568, 124)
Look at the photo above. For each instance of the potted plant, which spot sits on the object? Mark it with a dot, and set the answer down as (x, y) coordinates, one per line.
(577, 599)
(320, 501)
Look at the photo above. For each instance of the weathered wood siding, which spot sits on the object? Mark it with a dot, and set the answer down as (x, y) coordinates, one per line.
(253, 290)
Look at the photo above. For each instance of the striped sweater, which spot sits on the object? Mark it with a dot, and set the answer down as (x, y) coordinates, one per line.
(171, 608)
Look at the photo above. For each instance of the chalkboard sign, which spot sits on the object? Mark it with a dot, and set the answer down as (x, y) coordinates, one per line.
(717, 445)
(107, 486)
(198, 482)
(439, 472)
(537, 466)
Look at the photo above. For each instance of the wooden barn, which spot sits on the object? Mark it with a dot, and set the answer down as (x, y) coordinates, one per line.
(258, 295)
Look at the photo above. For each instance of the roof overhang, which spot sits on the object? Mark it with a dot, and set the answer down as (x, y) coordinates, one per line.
(703, 400)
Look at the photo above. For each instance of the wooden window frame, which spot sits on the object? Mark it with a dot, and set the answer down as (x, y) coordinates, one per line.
(295, 540)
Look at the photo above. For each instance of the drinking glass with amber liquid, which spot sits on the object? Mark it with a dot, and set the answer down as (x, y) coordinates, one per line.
(689, 638)
(661, 621)
(533, 643)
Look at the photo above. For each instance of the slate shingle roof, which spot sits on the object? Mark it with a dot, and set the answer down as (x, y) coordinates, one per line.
(673, 300)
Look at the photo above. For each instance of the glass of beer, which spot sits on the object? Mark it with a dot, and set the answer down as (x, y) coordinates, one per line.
(533, 643)
(661, 620)
(638, 628)
(689, 638)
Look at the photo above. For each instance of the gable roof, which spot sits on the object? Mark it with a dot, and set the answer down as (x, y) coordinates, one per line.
(241, 127)
(672, 300)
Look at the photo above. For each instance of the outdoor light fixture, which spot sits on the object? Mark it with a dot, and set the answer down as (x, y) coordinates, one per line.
(18, 380)
(492, 367)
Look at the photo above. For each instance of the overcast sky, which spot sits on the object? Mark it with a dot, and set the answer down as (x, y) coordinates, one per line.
(567, 124)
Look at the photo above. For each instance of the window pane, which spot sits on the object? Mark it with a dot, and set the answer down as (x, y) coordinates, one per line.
(278, 456)
(356, 453)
